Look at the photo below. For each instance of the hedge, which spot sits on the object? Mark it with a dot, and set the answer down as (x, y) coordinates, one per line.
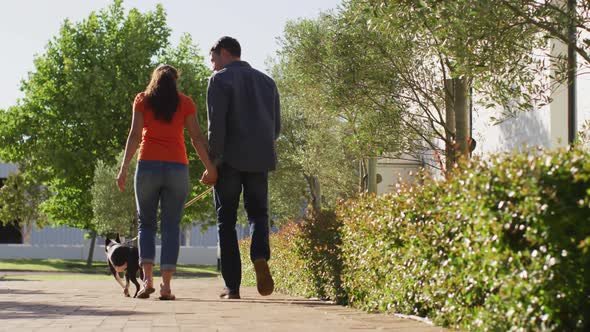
(304, 260)
(503, 244)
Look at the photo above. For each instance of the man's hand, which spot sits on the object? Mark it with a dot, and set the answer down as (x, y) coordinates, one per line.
(122, 178)
(209, 177)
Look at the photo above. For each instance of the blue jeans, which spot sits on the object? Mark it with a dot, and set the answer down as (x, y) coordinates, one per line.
(164, 184)
(227, 198)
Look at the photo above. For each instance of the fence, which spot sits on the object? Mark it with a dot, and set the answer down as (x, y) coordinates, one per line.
(188, 255)
(198, 245)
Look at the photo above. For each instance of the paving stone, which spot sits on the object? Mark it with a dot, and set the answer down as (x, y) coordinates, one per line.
(98, 305)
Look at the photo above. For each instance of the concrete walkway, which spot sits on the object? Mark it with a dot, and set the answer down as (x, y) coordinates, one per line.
(99, 305)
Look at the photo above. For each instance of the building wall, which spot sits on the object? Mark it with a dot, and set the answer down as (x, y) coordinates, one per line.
(62, 235)
(527, 129)
(69, 243)
(545, 127)
(6, 169)
(393, 171)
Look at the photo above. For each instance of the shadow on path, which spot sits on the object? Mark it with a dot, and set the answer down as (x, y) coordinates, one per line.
(2, 279)
(4, 291)
(307, 303)
(20, 310)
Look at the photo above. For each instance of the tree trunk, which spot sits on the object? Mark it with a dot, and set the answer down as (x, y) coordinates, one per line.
(25, 232)
(571, 73)
(450, 131)
(362, 186)
(91, 251)
(316, 193)
(187, 235)
(462, 115)
(372, 176)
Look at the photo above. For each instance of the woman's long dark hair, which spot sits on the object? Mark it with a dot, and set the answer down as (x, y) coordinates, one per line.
(162, 93)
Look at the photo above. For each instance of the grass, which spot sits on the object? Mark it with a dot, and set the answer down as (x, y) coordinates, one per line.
(98, 267)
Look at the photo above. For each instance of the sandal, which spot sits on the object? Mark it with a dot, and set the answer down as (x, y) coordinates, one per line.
(145, 290)
(166, 294)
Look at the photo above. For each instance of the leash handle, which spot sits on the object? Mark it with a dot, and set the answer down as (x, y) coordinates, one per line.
(201, 195)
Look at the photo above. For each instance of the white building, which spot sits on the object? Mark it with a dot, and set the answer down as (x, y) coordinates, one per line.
(545, 127)
(6, 170)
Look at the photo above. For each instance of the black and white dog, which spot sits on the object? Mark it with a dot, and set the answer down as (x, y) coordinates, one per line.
(123, 258)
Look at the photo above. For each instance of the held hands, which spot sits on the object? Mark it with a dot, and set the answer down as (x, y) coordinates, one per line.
(209, 176)
(121, 178)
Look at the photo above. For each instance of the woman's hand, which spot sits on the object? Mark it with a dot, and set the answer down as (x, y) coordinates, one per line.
(209, 176)
(121, 178)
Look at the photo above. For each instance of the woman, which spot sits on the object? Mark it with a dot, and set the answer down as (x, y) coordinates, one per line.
(160, 114)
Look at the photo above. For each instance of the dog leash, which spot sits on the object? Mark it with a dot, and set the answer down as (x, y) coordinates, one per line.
(201, 195)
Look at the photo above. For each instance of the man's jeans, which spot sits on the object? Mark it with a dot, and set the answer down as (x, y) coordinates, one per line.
(227, 198)
(165, 184)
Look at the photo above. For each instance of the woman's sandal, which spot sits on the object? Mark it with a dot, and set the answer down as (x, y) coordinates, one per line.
(166, 294)
(145, 290)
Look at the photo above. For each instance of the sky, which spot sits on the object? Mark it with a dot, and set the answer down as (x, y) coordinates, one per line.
(27, 25)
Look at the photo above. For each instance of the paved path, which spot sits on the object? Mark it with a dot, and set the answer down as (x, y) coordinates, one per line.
(99, 305)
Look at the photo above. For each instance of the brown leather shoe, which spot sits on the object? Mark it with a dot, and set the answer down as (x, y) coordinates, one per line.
(229, 295)
(264, 281)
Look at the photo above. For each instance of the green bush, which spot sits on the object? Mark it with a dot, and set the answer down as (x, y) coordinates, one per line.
(285, 264)
(503, 244)
(304, 258)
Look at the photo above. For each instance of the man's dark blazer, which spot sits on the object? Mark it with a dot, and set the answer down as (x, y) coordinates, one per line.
(244, 118)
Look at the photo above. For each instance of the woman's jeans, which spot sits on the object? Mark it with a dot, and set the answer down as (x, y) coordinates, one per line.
(230, 184)
(165, 184)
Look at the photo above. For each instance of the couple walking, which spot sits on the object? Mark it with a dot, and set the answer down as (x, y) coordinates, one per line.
(244, 121)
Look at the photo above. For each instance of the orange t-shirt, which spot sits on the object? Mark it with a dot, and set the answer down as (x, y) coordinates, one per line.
(161, 140)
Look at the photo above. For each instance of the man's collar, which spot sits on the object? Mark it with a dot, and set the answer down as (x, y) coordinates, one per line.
(237, 63)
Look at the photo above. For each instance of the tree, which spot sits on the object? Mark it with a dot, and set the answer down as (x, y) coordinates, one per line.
(332, 59)
(565, 22)
(480, 46)
(553, 17)
(498, 48)
(114, 211)
(20, 199)
(380, 66)
(77, 104)
(315, 167)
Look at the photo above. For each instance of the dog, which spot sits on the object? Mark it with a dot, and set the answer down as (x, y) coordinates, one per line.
(123, 258)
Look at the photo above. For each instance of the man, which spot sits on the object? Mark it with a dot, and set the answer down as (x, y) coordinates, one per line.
(244, 122)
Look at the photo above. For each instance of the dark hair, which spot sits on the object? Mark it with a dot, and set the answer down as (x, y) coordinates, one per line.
(162, 93)
(229, 44)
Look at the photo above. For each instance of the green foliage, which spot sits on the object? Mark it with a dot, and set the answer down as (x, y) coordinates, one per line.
(552, 18)
(496, 247)
(336, 74)
(77, 104)
(503, 244)
(114, 211)
(318, 246)
(20, 200)
(312, 147)
(367, 80)
(286, 263)
(305, 258)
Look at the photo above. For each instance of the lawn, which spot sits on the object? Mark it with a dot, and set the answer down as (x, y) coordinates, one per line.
(98, 267)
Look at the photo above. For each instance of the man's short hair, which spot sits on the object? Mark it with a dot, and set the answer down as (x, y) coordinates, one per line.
(229, 44)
